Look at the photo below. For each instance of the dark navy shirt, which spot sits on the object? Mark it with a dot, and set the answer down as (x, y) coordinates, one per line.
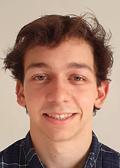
(22, 155)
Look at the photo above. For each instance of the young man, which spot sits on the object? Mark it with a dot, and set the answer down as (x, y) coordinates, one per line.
(61, 66)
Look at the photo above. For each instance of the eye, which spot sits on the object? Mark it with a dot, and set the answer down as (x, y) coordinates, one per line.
(40, 77)
(76, 78)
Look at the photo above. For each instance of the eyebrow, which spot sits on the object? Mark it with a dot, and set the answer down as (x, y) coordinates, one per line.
(80, 66)
(69, 66)
(38, 65)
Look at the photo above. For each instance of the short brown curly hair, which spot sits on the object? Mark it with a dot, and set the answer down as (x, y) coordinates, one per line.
(51, 30)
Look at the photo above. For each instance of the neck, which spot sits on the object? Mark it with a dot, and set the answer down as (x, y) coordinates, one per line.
(65, 154)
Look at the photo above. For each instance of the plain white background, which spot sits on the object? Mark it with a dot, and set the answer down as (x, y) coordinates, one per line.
(14, 14)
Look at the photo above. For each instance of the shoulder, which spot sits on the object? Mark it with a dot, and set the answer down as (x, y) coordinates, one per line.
(110, 157)
(105, 156)
(11, 154)
(109, 151)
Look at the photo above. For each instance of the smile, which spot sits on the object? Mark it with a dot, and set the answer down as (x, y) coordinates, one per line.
(59, 116)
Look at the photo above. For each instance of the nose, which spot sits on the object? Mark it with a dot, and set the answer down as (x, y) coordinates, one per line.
(58, 92)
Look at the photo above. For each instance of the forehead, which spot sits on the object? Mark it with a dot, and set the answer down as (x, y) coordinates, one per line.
(72, 51)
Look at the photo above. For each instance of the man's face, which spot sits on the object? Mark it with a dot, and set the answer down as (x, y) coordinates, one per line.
(60, 90)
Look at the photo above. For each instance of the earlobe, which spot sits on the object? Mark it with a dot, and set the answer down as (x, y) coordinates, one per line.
(102, 93)
(20, 93)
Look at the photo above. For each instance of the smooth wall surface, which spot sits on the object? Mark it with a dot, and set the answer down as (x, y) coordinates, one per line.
(14, 123)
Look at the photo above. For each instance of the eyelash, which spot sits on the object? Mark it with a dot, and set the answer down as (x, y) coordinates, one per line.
(79, 78)
(40, 77)
(75, 78)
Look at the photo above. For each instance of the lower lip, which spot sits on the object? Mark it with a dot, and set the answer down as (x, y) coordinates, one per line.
(59, 122)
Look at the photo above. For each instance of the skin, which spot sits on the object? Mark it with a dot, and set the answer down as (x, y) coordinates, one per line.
(61, 80)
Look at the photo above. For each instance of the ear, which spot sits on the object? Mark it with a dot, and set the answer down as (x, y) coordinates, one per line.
(20, 93)
(102, 93)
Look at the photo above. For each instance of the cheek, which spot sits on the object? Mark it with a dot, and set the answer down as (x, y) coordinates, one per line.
(32, 91)
(34, 97)
(85, 99)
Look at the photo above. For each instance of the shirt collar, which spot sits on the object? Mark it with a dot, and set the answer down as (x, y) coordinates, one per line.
(30, 154)
(93, 153)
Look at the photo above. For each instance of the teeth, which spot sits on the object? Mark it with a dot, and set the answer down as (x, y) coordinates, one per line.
(59, 116)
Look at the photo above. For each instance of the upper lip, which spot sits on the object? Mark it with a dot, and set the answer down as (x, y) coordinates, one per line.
(58, 113)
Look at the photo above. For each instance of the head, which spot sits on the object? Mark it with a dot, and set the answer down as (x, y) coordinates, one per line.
(50, 60)
(51, 30)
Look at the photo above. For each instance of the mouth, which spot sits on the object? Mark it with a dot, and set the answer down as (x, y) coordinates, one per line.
(59, 118)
